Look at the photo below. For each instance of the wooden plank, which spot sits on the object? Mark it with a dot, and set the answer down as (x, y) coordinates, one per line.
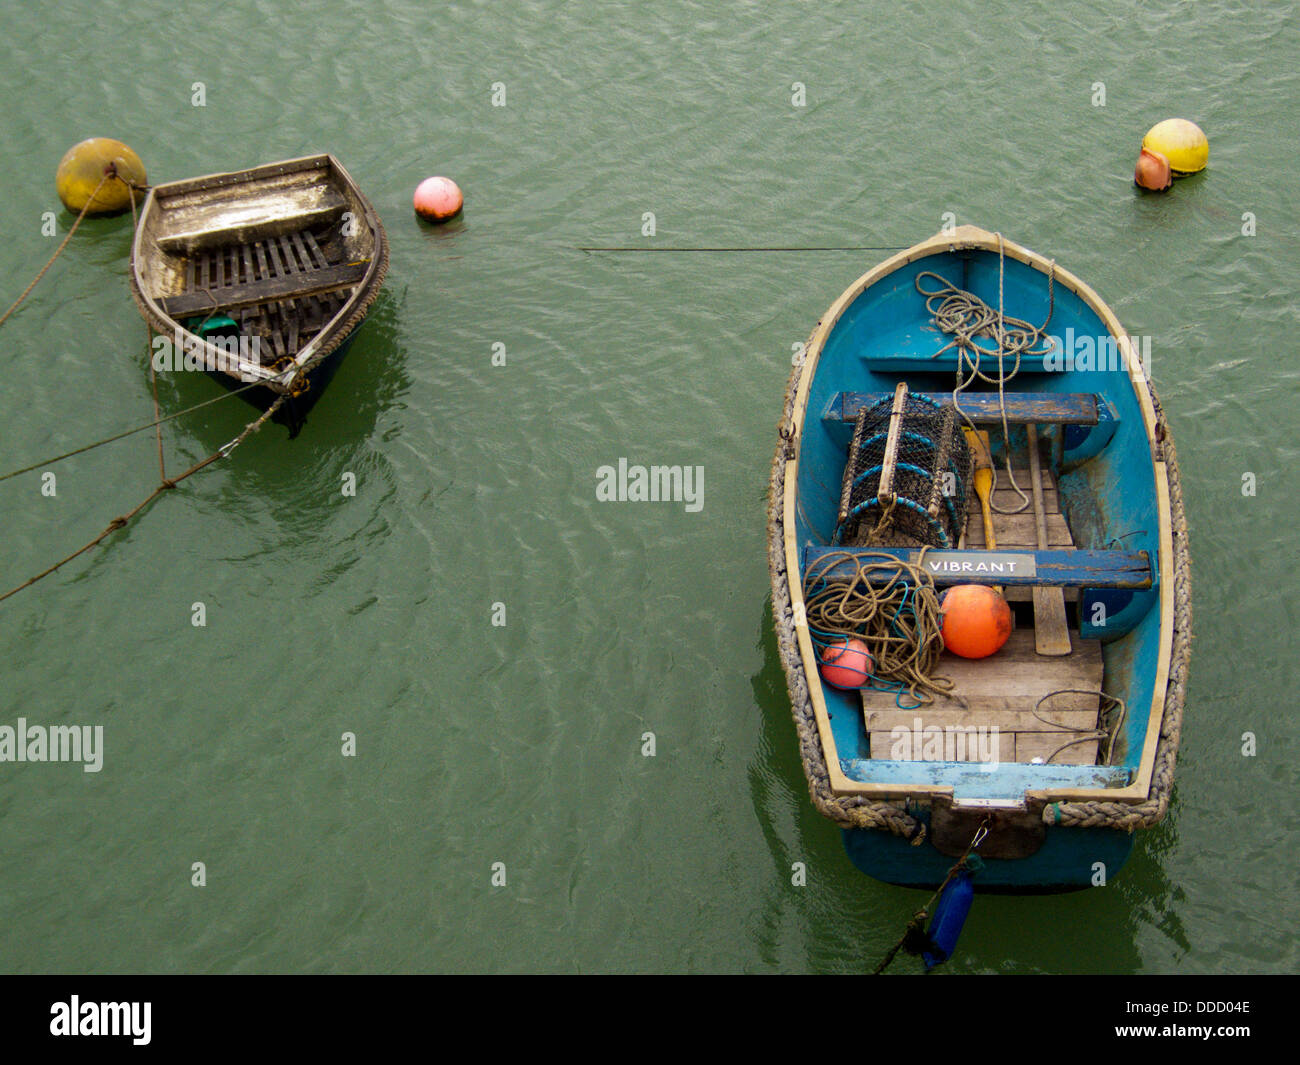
(290, 313)
(1080, 568)
(290, 256)
(311, 304)
(958, 746)
(1016, 531)
(1051, 628)
(1058, 748)
(889, 461)
(1014, 673)
(1043, 408)
(300, 249)
(317, 255)
(1014, 691)
(277, 288)
(227, 220)
(273, 253)
(990, 712)
(263, 267)
(1005, 497)
(1026, 594)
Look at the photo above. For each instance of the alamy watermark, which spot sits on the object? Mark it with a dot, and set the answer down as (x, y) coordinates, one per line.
(77, 1018)
(945, 743)
(55, 743)
(1086, 353)
(185, 351)
(627, 483)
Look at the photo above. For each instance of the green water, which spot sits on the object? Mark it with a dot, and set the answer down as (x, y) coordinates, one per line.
(522, 743)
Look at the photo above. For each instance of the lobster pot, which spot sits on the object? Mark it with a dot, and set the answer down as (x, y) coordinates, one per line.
(907, 477)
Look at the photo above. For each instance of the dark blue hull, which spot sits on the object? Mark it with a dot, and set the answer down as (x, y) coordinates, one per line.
(293, 413)
(1070, 859)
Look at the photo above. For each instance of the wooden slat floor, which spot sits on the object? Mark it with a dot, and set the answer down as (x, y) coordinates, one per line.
(284, 325)
(1003, 690)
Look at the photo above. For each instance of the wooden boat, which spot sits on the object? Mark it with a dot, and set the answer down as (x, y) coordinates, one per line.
(260, 277)
(1072, 772)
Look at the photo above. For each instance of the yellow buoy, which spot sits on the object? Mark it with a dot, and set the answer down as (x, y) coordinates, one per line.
(1181, 142)
(83, 167)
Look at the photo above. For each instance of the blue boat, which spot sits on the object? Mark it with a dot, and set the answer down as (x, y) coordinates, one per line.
(964, 352)
(259, 277)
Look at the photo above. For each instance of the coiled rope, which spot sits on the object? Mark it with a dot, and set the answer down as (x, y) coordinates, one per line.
(889, 603)
(966, 318)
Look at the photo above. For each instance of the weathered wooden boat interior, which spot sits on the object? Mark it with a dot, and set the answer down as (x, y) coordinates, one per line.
(282, 290)
(273, 255)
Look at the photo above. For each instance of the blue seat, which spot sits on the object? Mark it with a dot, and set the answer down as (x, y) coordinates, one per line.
(1064, 568)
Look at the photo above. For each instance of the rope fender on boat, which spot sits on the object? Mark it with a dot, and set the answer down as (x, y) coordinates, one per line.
(852, 811)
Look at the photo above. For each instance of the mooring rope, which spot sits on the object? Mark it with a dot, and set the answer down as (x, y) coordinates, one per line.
(915, 930)
(127, 432)
(897, 617)
(111, 172)
(164, 483)
(966, 317)
(163, 486)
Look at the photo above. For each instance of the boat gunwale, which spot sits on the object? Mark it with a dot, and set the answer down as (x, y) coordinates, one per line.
(963, 238)
(331, 334)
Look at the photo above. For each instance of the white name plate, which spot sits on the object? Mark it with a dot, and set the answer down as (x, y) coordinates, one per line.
(978, 563)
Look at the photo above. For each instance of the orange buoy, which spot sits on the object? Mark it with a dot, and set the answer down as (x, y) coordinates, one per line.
(438, 199)
(976, 620)
(1153, 171)
(846, 664)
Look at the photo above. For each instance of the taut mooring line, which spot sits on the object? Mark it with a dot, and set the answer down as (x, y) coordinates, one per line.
(778, 248)
(59, 250)
(163, 486)
(128, 432)
(164, 482)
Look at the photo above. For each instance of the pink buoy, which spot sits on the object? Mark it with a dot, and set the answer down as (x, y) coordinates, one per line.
(846, 664)
(438, 199)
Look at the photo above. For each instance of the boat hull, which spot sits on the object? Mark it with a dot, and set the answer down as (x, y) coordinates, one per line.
(1117, 478)
(1070, 859)
(292, 413)
(261, 276)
